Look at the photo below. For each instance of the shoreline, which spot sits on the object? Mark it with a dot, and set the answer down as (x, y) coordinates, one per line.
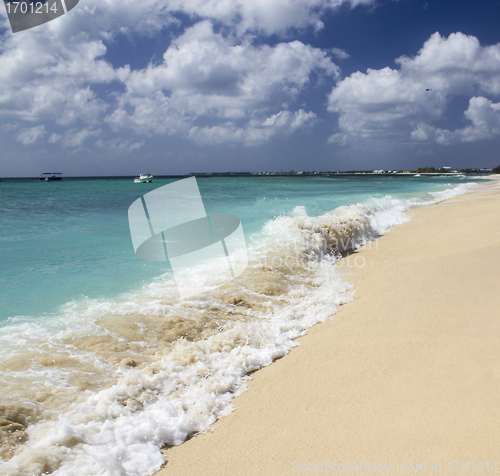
(405, 373)
(481, 175)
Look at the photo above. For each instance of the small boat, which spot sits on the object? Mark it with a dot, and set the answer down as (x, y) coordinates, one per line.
(143, 178)
(50, 176)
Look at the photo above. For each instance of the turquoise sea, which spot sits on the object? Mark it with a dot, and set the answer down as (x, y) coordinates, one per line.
(98, 352)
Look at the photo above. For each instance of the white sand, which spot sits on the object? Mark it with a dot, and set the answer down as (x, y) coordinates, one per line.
(407, 373)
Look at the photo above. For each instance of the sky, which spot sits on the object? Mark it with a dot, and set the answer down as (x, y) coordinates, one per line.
(122, 87)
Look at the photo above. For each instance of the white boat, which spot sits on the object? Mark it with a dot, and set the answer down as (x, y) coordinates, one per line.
(143, 178)
(50, 176)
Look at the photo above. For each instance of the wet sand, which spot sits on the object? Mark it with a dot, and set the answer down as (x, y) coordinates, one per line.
(408, 373)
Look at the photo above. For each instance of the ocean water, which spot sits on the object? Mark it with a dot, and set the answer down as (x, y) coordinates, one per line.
(101, 362)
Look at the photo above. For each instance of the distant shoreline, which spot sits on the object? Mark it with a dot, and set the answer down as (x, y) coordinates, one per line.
(267, 174)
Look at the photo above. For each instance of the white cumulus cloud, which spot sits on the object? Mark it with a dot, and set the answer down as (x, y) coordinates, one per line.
(484, 116)
(208, 77)
(60, 73)
(267, 16)
(403, 103)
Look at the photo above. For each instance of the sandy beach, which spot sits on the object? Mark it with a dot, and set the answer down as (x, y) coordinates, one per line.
(406, 374)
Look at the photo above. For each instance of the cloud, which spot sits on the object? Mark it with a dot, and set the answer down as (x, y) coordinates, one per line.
(51, 74)
(51, 81)
(206, 76)
(31, 135)
(262, 16)
(482, 113)
(338, 138)
(119, 146)
(254, 132)
(339, 53)
(402, 104)
(75, 138)
(54, 138)
(60, 74)
(485, 118)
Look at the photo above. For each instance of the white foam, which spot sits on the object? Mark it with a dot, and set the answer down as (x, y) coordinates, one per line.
(453, 191)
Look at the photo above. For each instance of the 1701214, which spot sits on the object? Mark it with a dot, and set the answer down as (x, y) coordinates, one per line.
(473, 466)
(30, 7)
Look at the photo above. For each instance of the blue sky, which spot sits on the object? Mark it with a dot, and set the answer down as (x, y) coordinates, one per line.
(120, 87)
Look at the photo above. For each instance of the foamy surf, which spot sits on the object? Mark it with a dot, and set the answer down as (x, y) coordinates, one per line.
(452, 191)
(100, 388)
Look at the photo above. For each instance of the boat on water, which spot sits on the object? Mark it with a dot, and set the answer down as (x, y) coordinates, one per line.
(143, 178)
(50, 176)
